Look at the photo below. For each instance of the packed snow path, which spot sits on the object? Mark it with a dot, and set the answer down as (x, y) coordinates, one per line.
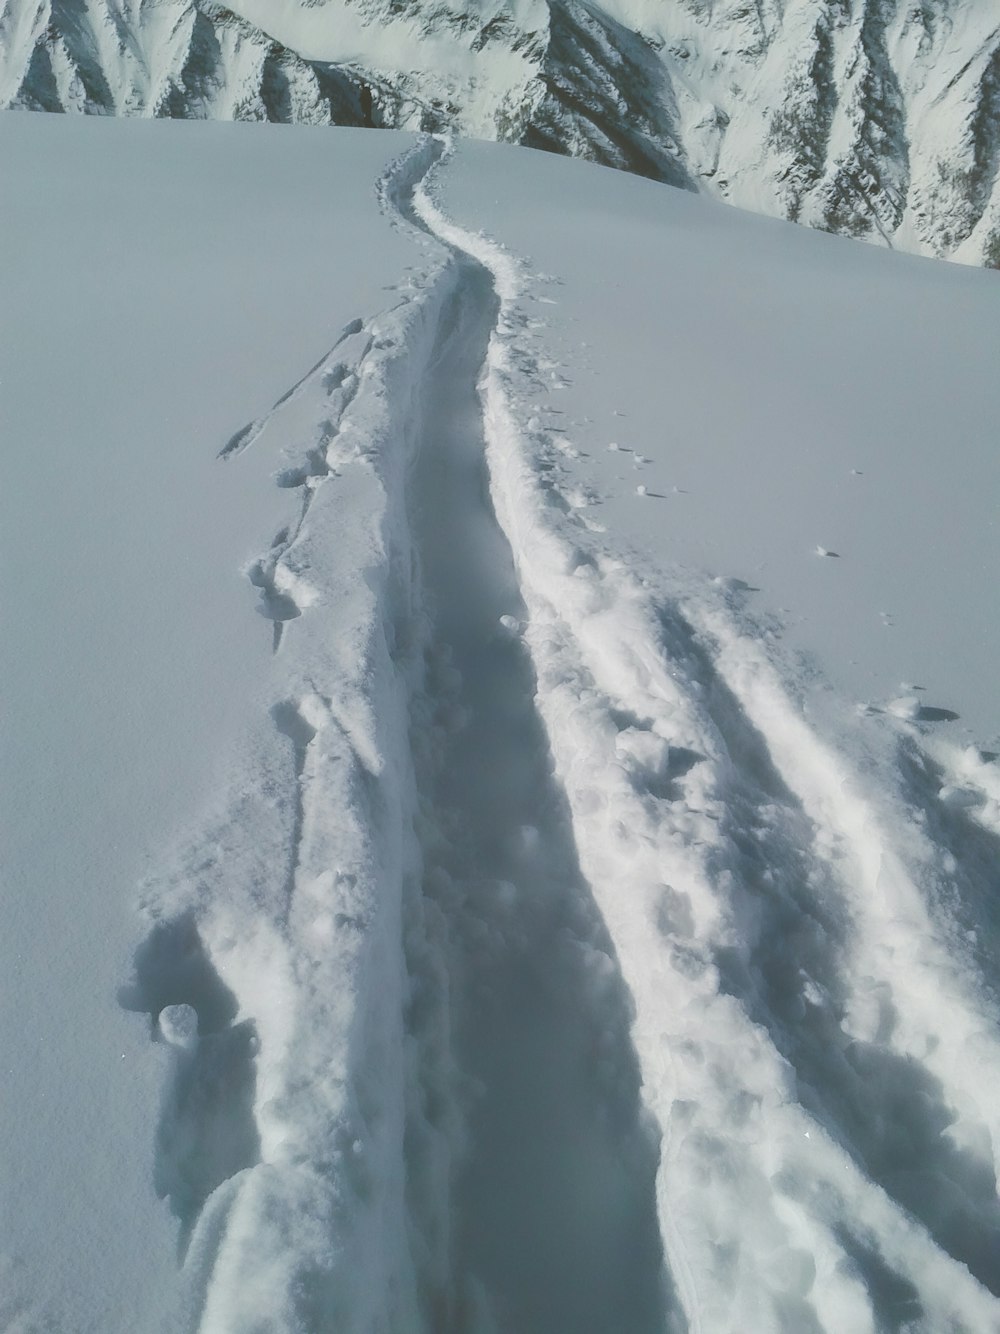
(547, 900)
(554, 1210)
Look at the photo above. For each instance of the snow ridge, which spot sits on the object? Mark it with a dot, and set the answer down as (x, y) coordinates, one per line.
(281, 1143)
(828, 1124)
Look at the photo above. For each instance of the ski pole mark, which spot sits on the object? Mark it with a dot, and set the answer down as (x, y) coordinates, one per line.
(248, 434)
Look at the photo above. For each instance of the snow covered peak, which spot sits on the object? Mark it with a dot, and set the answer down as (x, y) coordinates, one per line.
(876, 118)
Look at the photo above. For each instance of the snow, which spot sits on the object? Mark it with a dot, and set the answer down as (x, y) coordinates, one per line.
(159, 286)
(564, 903)
(756, 366)
(765, 827)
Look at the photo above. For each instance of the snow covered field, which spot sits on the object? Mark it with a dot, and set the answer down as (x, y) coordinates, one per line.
(524, 636)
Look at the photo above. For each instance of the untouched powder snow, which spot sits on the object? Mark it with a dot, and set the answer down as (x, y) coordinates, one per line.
(495, 607)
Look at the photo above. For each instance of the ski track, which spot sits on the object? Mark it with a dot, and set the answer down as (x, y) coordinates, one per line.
(556, 966)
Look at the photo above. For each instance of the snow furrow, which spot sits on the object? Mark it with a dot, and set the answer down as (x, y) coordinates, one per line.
(815, 1051)
(274, 967)
(553, 1209)
(402, 1090)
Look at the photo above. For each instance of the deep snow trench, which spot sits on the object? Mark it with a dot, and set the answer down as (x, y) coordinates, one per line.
(412, 1046)
(554, 1201)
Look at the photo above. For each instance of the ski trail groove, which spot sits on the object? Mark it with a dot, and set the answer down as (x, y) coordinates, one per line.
(554, 1206)
(826, 1159)
(408, 1099)
(277, 926)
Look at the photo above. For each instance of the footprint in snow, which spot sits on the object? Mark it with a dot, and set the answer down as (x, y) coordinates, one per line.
(207, 1130)
(353, 327)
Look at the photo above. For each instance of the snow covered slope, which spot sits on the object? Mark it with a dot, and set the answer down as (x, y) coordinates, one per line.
(135, 670)
(876, 118)
(557, 914)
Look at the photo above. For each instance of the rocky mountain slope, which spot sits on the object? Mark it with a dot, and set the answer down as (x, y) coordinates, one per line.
(876, 118)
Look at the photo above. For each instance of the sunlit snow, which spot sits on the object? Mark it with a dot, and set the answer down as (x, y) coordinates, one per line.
(499, 794)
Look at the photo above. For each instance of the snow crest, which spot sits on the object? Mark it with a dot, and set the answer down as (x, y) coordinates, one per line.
(817, 1044)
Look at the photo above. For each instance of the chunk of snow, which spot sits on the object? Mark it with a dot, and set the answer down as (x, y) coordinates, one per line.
(644, 750)
(179, 1026)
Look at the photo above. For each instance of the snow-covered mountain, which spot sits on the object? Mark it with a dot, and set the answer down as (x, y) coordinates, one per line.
(875, 118)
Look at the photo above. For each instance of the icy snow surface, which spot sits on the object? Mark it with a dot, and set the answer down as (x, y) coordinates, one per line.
(526, 638)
